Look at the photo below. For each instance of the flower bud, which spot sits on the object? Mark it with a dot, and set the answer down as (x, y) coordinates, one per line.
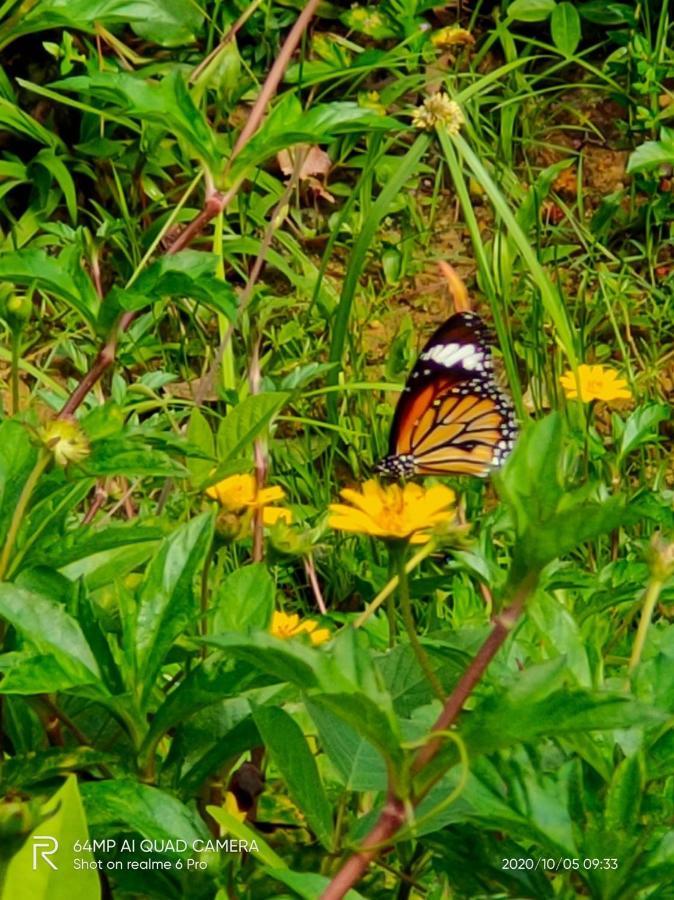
(230, 525)
(17, 818)
(17, 312)
(66, 441)
(661, 557)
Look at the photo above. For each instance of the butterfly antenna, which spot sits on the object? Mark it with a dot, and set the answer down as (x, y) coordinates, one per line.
(457, 289)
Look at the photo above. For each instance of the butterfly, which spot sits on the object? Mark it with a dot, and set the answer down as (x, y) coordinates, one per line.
(452, 418)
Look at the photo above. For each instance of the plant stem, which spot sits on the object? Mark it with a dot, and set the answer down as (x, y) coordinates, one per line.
(20, 509)
(393, 816)
(392, 584)
(650, 599)
(408, 619)
(14, 370)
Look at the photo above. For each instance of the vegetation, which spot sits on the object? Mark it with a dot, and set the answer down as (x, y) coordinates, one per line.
(221, 230)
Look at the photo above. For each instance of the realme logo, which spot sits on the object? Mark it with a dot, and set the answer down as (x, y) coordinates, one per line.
(47, 846)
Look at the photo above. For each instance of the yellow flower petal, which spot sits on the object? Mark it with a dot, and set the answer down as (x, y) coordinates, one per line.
(240, 492)
(393, 512)
(269, 495)
(273, 514)
(320, 636)
(596, 383)
(232, 807)
(286, 626)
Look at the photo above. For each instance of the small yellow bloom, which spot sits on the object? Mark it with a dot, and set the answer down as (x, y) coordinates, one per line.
(232, 807)
(393, 512)
(273, 514)
(452, 36)
(438, 109)
(285, 626)
(66, 440)
(240, 492)
(596, 383)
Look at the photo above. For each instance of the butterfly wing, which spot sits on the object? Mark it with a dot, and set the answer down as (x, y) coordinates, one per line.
(452, 418)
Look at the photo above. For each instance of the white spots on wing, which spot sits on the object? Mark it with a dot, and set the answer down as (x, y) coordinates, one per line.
(468, 356)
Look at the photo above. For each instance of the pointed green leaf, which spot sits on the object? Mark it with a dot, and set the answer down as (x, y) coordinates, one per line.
(290, 753)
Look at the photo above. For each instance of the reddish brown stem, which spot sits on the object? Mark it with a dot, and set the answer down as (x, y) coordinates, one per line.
(274, 77)
(105, 358)
(215, 203)
(100, 496)
(392, 817)
(391, 820)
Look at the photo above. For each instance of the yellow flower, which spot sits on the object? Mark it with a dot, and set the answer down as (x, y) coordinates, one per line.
(393, 512)
(451, 36)
(240, 492)
(438, 109)
(232, 807)
(273, 514)
(596, 383)
(66, 440)
(285, 626)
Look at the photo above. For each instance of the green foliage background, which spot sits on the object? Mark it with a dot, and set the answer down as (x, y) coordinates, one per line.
(138, 671)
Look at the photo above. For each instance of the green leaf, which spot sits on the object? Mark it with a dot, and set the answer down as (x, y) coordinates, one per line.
(565, 28)
(63, 826)
(209, 683)
(108, 566)
(48, 627)
(18, 456)
(35, 673)
(169, 23)
(642, 427)
(624, 797)
(48, 160)
(367, 719)
(651, 156)
(165, 104)
(35, 268)
(223, 751)
(605, 13)
(290, 124)
(290, 753)
(507, 719)
(129, 806)
(190, 273)
(284, 660)
(200, 435)
(245, 599)
(242, 831)
(570, 528)
(128, 456)
(530, 482)
(167, 597)
(31, 768)
(246, 422)
(16, 121)
(359, 765)
(531, 10)
(87, 541)
(307, 885)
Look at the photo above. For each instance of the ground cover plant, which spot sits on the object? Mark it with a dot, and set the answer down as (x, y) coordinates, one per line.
(236, 661)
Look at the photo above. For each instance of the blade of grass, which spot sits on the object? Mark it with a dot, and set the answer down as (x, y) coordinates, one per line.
(551, 300)
(356, 265)
(484, 267)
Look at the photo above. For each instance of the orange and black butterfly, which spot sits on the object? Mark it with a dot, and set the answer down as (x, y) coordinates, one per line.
(452, 418)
